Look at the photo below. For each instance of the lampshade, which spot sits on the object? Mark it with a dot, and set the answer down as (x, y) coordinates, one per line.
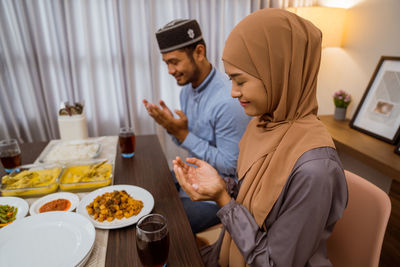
(330, 20)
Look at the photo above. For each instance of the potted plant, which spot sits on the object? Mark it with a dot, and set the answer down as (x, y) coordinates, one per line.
(341, 99)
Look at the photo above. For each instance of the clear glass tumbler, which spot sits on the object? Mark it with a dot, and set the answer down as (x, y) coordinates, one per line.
(152, 240)
(10, 154)
(127, 142)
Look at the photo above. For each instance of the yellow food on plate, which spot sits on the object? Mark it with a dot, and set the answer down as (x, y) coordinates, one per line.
(86, 176)
(30, 182)
(114, 205)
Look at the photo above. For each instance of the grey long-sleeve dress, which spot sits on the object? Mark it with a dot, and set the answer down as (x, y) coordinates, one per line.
(312, 200)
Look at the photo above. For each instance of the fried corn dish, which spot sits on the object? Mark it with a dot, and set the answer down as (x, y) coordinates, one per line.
(114, 205)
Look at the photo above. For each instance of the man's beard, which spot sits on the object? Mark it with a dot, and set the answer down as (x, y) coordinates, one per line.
(194, 77)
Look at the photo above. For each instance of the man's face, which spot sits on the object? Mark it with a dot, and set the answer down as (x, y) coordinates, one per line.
(181, 66)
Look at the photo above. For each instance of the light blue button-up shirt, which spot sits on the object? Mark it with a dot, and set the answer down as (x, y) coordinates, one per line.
(216, 122)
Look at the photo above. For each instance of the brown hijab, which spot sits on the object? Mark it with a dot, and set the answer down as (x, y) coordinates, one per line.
(283, 51)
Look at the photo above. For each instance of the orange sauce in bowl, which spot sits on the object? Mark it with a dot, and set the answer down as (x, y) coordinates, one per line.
(55, 205)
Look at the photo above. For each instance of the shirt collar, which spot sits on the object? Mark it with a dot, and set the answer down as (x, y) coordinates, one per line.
(205, 83)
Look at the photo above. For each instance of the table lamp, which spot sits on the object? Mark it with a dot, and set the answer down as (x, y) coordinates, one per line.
(330, 20)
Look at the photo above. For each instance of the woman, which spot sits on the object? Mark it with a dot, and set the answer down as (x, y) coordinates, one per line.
(292, 185)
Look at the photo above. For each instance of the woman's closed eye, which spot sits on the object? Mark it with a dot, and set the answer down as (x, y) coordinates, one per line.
(238, 83)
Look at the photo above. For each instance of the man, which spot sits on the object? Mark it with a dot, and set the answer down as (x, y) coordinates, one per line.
(211, 123)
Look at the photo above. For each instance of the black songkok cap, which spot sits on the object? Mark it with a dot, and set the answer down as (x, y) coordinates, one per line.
(178, 34)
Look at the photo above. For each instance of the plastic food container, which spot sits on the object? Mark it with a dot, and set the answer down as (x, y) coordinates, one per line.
(73, 127)
(64, 152)
(86, 175)
(31, 180)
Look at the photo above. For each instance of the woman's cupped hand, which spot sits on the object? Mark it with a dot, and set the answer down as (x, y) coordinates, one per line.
(200, 180)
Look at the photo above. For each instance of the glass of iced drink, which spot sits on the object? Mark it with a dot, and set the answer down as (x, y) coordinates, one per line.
(10, 154)
(152, 240)
(127, 142)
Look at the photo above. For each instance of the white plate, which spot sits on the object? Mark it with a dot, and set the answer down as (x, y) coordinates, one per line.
(17, 202)
(48, 239)
(74, 199)
(83, 262)
(136, 192)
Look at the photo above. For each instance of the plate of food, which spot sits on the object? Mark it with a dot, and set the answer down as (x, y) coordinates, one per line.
(66, 151)
(62, 201)
(116, 206)
(11, 209)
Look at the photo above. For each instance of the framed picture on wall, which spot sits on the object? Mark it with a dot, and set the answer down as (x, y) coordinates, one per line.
(378, 113)
(397, 149)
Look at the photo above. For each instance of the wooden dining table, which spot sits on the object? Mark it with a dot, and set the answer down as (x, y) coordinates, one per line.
(147, 169)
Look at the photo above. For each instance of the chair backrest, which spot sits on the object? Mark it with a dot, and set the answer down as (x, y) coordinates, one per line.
(208, 236)
(356, 240)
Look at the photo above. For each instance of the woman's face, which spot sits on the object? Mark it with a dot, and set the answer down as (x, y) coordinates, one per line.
(248, 89)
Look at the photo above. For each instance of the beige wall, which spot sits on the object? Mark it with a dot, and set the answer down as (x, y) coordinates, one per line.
(373, 30)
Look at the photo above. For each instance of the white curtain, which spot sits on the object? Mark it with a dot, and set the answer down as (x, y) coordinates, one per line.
(102, 52)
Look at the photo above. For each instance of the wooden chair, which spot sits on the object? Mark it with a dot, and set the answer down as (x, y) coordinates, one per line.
(208, 236)
(357, 238)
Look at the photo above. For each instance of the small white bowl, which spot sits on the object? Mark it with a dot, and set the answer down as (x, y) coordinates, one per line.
(74, 199)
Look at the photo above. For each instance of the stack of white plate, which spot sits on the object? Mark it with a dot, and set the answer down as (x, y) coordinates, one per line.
(48, 239)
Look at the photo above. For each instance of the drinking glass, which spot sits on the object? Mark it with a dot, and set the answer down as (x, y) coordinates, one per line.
(152, 240)
(10, 154)
(127, 142)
